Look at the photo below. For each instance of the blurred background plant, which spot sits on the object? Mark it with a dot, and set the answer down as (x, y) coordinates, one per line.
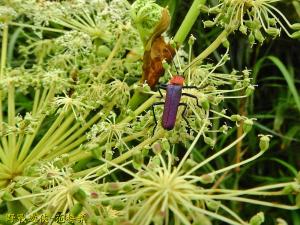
(70, 144)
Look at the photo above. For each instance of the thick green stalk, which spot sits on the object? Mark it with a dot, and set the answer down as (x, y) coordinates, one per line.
(29, 138)
(4, 50)
(11, 122)
(37, 27)
(188, 21)
(211, 48)
(2, 69)
(36, 151)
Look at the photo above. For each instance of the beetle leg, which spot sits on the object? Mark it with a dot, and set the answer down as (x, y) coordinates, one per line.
(155, 120)
(161, 87)
(192, 96)
(183, 115)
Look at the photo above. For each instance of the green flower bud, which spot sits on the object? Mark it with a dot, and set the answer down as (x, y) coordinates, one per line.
(213, 205)
(264, 142)
(145, 152)
(288, 189)
(273, 31)
(209, 141)
(156, 160)
(79, 194)
(251, 39)
(105, 203)
(272, 21)
(250, 89)
(209, 23)
(117, 204)
(204, 101)
(236, 118)
(258, 36)
(112, 188)
(189, 164)
(157, 147)
(205, 104)
(103, 51)
(258, 219)
(127, 187)
(76, 209)
(94, 220)
(165, 144)
(243, 29)
(191, 40)
(224, 129)
(247, 126)
(165, 65)
(138, 160)
(296, 35)
(296, 26)
(207, 179)
(226, 43)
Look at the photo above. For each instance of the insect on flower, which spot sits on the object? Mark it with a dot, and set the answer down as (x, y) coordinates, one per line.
(172, 101)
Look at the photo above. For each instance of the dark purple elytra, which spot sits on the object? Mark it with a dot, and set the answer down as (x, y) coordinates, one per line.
(172, 101)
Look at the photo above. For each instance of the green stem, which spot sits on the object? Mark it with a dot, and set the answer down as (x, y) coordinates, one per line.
(124, 156)
(79, 136)
(211, 48)
(29, 139)
(188, 21)
(217, 154)
(11, 122)
(236, 164)
(37, 27)
(33, 156)
(2, 69)
(36, 101)
(26, 202)
(78, 154)
(4, 49)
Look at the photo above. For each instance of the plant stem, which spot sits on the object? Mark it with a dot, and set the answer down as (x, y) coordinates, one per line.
(211, 48)
(37, 27)
(11, 122)
(42, 104)
(217, 154)
(33, 156)
(2, 69)
(188, 21)
(126, 155)
(236, 164)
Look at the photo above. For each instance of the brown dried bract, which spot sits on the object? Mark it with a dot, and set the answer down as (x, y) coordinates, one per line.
(156, 51)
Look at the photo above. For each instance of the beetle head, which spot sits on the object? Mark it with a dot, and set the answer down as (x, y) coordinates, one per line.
(177, 80)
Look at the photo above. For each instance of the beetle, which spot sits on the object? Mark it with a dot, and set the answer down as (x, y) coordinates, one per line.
(172, 102)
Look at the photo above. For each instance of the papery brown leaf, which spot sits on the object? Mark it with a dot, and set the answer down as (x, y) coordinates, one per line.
(156, 51)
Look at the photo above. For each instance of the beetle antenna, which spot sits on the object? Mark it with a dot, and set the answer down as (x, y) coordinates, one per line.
(175, 66)
(173, 60)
